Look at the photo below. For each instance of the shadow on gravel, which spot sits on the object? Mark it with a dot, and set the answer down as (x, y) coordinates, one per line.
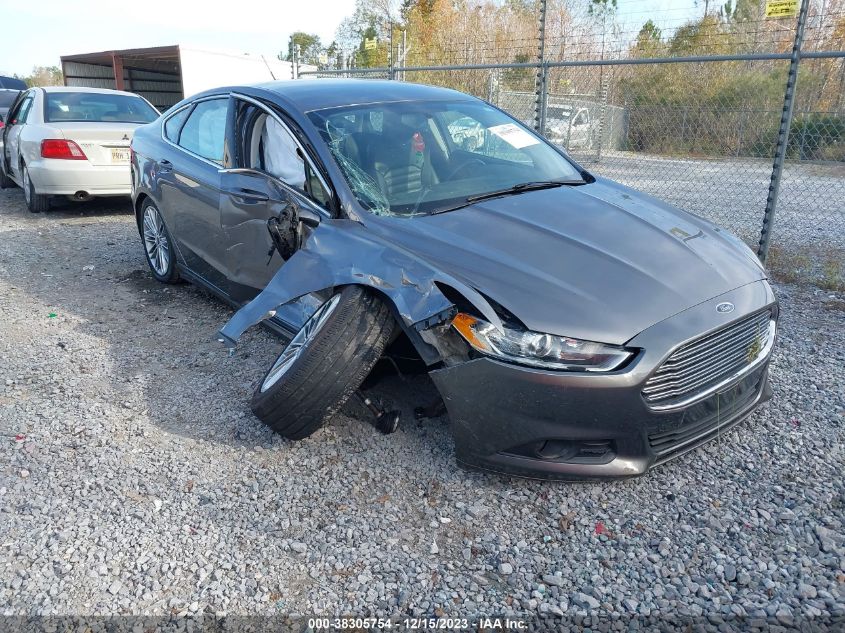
(164, 362)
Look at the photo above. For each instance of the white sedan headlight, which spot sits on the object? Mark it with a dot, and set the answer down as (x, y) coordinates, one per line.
(539, 350)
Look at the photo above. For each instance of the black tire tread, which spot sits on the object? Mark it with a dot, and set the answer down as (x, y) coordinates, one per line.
(331, 368)
(5, 181)
(38, 203)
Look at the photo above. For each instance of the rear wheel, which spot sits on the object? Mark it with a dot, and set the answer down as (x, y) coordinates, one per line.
(5, 181)
(35, 202)
(324, 363)
(158, 247)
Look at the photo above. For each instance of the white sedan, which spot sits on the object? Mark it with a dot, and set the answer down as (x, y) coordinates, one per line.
(70, 142)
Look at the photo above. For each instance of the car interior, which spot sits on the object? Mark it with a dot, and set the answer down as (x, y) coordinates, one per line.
(410, 160)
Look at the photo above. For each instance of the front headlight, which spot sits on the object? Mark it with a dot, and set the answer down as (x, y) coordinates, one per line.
(539, 350)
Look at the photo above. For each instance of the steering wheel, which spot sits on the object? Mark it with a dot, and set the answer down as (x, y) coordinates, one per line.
(463, 166)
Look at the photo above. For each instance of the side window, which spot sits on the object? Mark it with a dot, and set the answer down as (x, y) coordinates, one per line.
(581, 119)
(267, 145)
(205, 130)
(23, 110)
(174, 124)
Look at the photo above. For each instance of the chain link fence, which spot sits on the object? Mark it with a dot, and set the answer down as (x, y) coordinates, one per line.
(700, 133)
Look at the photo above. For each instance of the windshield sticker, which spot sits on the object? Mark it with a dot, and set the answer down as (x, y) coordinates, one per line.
(514, 135)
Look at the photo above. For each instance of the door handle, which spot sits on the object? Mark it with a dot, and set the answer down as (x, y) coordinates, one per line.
(250, 196)
(165, 165)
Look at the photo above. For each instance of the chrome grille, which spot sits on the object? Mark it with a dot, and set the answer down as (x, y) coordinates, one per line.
(695, 368)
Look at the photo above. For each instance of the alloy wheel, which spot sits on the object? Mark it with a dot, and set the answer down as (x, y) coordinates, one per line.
(156, 242)
(299, 342)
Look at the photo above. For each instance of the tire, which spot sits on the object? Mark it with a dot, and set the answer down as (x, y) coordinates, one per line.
(349, 333)
(5, 181)
(35, 202)
(158, 245)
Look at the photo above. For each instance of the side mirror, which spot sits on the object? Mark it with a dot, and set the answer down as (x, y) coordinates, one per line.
(309, 217)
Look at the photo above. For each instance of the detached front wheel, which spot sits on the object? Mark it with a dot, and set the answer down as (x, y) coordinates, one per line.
(324, 363)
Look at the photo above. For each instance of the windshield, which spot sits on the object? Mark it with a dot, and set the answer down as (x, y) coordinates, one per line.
(415, 158)
(97, 107)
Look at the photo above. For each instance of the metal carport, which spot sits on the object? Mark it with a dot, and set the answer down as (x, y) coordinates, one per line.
(154, 73)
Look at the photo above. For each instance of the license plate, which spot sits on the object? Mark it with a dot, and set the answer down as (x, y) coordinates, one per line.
(120, 155)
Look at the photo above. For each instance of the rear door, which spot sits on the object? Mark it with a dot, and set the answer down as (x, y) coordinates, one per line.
(271, 182)
(189, 183)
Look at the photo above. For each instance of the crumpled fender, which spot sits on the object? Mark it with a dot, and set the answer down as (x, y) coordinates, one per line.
(343, 252)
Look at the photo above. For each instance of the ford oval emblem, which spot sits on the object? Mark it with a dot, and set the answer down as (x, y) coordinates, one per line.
(725, 307)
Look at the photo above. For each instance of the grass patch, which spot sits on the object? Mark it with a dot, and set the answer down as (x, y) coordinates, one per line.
(825, 269)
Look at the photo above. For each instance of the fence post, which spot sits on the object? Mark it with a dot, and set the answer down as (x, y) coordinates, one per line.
(391, 66)
(783, 137)
(605, 88)
(292, 58)
(541, 82)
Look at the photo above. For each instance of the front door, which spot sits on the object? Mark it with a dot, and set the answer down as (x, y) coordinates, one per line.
(262, 196)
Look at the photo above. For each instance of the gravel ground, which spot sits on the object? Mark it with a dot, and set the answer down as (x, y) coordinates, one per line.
(134, 478)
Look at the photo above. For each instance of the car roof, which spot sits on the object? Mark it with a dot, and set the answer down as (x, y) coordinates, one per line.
(52, 89)
(317, 94)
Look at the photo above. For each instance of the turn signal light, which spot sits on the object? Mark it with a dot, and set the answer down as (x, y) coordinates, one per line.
(61, 148)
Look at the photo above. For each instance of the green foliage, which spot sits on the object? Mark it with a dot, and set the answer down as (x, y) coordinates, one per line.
(725, 109)
(741, 10)
(308, 46)
(520, 78)
(817, 136)
(601, 8)
(649, 41)
(44, 76)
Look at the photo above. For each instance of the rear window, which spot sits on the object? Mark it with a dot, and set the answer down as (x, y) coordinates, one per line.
(97, 107)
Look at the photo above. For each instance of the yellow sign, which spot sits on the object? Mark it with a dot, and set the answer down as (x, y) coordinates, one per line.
(781, 8)
(369, 44)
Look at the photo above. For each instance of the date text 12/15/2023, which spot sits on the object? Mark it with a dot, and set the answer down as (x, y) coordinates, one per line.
(417, 624)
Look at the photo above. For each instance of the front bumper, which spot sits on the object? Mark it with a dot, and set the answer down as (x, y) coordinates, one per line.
(67, 177)
(559, 425)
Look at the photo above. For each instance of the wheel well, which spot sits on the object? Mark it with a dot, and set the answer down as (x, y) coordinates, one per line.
(139, 204)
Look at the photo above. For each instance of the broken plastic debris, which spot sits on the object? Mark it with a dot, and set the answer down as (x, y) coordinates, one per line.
(52, 315)
(88, 267)
(20, 437)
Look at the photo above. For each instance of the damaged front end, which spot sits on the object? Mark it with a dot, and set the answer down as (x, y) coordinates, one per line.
(340, 253)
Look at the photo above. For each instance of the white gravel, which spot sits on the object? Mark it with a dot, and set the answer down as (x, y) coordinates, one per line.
(135, 480)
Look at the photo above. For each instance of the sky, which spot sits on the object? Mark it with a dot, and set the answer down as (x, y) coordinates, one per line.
(38, 32)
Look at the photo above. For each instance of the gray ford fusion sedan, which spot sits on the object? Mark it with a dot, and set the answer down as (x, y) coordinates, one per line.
(575, 328)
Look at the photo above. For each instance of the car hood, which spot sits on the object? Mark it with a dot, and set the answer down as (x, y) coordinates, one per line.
(599, 261)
